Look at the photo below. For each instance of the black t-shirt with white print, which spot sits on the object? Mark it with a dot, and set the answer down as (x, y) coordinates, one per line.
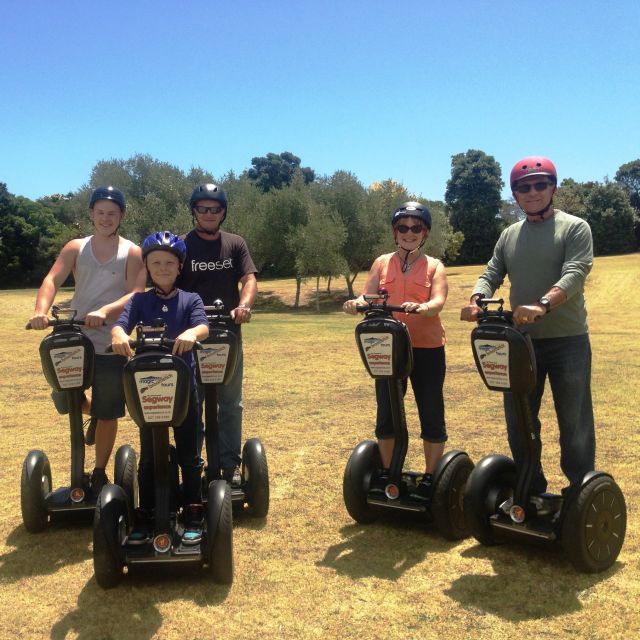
(213, 268)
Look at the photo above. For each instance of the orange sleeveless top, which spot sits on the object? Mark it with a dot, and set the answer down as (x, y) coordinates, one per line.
(414, 286)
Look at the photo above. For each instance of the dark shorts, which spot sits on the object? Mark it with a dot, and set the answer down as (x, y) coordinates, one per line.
(427, 381)
(107, 392)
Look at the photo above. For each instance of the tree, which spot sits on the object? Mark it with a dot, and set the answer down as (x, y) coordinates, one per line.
(473, 200)
(317, 246)
(610, 217)
(275, 171)
(628, 175)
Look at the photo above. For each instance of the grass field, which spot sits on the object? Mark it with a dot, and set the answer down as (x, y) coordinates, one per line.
(308, 571)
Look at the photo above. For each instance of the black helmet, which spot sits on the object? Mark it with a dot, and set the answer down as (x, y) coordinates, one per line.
(164, 241)
(108, 193)
(414, 210)
(208, 192)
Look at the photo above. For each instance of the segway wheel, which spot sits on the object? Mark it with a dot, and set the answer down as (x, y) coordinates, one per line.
(110, 525)
(490, 483)
(594, 525)
(35, 484)
(362, 463)
(255, 475)
(125, 475)
(448, 494)
(220, 531)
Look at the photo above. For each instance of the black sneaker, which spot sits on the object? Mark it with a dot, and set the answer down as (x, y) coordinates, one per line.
(232, 475)
(98, 480)
(90, 434)
(423, 490)
(193, 524)
(142, 531)
(379, 480)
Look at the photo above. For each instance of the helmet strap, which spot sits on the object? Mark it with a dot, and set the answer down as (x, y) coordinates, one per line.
(408, 252)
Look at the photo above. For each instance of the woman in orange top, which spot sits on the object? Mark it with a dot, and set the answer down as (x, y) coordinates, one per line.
(418, 283)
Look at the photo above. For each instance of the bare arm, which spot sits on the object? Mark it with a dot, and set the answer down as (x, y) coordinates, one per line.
(186, 340)
(242, 313)
(370, 287)
(59, 272)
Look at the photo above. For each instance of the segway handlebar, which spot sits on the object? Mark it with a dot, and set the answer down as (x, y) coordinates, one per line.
(496, 314)
(371, 305)
(56, 321)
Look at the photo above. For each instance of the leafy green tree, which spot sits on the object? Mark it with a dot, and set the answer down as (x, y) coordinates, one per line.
(275, 171)
(317, 247)
(473, 201)
(628, 175)
(610, 217)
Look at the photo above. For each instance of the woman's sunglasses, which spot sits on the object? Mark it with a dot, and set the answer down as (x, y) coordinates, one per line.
(403, 228)
(538, 186)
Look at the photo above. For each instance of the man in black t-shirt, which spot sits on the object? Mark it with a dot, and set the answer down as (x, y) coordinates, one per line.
(217, 262)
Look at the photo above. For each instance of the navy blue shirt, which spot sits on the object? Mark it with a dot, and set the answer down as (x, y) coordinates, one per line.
(181, 312)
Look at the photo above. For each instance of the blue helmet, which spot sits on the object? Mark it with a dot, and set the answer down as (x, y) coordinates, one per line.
(164, 241)
(414, 210)
(108, 193)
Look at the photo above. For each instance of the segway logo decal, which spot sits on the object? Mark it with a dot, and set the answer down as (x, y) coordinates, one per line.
(493, 356)
(69, 366)
(157, 394)
(212, 363)
(378, 350)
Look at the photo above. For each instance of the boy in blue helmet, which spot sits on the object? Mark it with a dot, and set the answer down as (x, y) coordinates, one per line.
(186, 321)
(107, 269)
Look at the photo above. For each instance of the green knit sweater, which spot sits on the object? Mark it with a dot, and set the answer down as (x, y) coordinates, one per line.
(557, 252)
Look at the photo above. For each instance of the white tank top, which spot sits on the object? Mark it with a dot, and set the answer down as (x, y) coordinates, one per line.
(97, 284)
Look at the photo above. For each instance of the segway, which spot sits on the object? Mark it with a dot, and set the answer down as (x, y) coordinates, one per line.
(587, 520)
(215, 365)
(385, 348)
(157, 387)
(67, 358)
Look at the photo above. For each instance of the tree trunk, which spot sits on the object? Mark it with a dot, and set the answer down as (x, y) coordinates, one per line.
(298, 283)
(329, 285)
(317, 293)
(350, 282)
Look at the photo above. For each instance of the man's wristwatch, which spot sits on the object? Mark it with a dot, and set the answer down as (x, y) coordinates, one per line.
(546, 303)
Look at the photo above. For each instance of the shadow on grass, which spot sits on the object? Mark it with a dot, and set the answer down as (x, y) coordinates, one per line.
(136, 602)
(383, 550)
(529, 583)
(45, 553)
(271, 302)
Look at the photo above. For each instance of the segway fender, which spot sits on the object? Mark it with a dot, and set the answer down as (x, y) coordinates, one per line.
(445, 461)
(111, 492)
(35, 462)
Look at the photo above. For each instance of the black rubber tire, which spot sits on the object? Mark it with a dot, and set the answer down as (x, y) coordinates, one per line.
(220, 532)
(108, 560)
(363, 461)
(125, 475)
(594, 525)
(35, 484)
(491, 481)
(448, 495)
(255, 476)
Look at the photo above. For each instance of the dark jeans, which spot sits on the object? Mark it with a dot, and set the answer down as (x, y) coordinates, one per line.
(427, 381)
(567, 364)
(185, 438)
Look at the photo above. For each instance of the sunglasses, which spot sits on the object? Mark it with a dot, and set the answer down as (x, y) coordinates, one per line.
(538, 186)
(200, 209)
(403, 228)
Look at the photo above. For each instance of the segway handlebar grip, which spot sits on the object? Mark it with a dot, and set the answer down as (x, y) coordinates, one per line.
(56, 322)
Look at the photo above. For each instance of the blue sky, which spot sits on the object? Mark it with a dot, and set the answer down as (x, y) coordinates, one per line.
(383, 89)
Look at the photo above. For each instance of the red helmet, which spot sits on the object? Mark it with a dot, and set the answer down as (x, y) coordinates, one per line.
(532, 166)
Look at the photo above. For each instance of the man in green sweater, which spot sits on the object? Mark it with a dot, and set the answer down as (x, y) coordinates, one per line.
(547, 257)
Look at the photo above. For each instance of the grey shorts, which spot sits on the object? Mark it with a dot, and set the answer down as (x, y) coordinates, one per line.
(107, 392)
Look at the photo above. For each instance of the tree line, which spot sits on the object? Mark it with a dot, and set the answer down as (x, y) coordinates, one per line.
(301, 225)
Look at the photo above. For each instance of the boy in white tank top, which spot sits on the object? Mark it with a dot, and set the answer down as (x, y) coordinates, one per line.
(107, 270)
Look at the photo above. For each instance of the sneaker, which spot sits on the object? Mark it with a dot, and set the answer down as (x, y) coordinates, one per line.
(142, 531)
(98, 480)
(232, 475)
(90, 434)
(379, 481)
(423, 490)
(193, 523)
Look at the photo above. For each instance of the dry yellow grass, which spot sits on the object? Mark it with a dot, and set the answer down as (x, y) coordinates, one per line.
(308, 571)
